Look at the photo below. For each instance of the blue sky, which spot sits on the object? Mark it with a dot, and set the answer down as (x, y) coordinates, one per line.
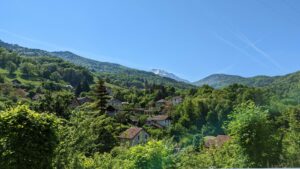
(192, 39)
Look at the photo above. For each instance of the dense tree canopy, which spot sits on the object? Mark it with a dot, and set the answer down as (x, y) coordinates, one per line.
(27, 139)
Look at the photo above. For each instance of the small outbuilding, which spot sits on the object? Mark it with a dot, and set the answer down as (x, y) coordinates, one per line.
(134, 136)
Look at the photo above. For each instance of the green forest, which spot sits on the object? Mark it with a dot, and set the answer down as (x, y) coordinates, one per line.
(62, 115)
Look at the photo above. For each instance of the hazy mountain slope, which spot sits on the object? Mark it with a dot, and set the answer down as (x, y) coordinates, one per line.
(163, 73)
(103, 68)
(220, 80)
(223, 80)
(89, 63)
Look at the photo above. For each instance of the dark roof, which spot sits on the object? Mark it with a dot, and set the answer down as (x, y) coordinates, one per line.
(131, 133)
(158, 118)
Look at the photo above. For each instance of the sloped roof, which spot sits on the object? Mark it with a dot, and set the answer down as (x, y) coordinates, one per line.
(131, 133)
(158, 118)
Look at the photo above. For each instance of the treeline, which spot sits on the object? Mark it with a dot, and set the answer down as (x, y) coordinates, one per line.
(147, 96)
(137, 79)
(205, 110)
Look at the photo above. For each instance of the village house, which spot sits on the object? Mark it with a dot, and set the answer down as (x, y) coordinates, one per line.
(159, 121)
(160, 103)
(134, 136)
(176, 100)
(213, 142)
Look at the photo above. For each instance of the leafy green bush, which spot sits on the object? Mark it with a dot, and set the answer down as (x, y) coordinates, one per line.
(27, 139)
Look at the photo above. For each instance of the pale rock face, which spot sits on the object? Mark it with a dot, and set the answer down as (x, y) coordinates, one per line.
(163, 73)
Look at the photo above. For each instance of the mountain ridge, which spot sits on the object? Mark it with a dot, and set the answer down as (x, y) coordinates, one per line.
(223, 80)
(164, 73)
(117, 71)
(104, 69)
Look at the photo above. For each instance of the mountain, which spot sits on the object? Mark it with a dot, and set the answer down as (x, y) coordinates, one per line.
(68, 56)
(118, 74)
(223, 80)
(219, 80)
(163, 73)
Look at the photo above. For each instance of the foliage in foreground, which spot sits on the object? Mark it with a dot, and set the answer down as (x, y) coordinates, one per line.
(27, 139)
(154, 154)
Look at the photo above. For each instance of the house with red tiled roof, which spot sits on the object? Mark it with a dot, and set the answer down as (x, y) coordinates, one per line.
(134, 136)
(159, 121)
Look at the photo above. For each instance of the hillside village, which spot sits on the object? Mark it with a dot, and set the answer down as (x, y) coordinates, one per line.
(74, 117)
(156, 117)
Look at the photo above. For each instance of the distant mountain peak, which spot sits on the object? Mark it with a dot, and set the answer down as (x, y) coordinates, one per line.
(164, 73)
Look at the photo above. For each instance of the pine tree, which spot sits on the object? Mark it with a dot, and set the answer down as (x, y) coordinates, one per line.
(101, 95)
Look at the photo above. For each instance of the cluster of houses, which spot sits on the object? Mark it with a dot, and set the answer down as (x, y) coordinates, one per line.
(137, 135)
(134, 135)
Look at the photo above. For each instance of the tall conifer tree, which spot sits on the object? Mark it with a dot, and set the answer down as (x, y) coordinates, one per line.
(101, 96)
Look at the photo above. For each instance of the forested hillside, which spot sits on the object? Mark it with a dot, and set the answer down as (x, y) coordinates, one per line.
(111, 70)
(222, 80)
(286, 88)
(55, 114)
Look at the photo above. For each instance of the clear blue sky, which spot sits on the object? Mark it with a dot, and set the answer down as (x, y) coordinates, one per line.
(192, 38)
